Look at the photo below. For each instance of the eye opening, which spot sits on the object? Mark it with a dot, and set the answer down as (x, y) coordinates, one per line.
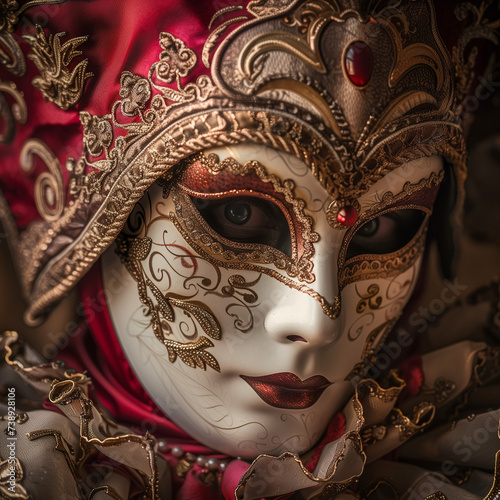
(246, 220)
(386, 232)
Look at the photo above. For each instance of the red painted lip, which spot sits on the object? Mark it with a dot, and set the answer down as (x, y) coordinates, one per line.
(286, 390)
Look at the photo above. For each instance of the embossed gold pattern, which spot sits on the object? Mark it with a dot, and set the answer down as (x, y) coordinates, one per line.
(57, 83)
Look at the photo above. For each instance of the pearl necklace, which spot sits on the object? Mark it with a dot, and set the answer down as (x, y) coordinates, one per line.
(211, 467)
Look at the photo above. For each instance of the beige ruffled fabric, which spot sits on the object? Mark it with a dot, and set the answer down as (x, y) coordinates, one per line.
(438, 457)
(79, 452)
(456, 460)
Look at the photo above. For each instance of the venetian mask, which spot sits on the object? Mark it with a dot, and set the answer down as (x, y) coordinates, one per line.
(246, 309)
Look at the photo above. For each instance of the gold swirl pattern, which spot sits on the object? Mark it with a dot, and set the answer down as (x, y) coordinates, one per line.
(49, 189)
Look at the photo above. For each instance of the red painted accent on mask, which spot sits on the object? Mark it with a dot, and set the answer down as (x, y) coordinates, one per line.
(358, 62)
(286, 390)
(188, 259)
(347, 216)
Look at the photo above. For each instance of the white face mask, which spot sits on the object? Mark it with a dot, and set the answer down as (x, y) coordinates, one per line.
(240, 337)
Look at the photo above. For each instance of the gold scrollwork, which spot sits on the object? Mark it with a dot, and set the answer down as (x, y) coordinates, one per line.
(211, 41)
(176, 61)
(370, 299)
(319, 14)
(10, 114)
(49, 189)
(56, 82)
(415, 54)
(11, 55)
(193, 354)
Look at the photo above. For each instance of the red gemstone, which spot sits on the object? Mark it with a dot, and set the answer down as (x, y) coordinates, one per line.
(359, 63)
(347, 216)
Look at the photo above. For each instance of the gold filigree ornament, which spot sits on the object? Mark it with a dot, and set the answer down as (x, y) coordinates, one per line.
(277, 78)
(193, 354)
(11, 55)
(57, 83)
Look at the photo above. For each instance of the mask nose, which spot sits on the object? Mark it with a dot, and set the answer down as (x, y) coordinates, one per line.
(297, 317)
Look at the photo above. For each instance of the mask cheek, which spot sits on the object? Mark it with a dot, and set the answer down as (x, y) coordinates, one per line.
(371, 307)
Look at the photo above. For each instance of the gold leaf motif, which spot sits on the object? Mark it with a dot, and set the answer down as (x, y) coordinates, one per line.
(206, 319)
(417, 54)
(176, 61)
(266, 8)
(192, 354)
(163, 303)
(56, 82)
(285, 42)
(10, 11)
